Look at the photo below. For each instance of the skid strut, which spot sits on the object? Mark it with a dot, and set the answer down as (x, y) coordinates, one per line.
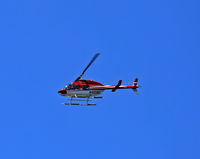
(87, 100)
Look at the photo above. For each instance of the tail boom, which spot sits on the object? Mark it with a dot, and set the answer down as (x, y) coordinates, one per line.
(134, 86)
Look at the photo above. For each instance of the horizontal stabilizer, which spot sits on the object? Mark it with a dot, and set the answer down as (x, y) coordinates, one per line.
(117, 86)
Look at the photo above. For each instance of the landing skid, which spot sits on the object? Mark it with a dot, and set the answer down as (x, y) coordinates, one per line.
(79, 100)
(89, 104)
(80, 104)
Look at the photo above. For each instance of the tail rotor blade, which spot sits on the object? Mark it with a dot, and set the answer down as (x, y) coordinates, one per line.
(136, 91)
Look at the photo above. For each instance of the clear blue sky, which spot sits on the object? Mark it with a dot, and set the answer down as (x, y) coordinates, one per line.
(45, 44)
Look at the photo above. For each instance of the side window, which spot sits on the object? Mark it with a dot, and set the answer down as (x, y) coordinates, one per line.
(78, 86)
(73, 86)
(85, 86)
(69, 86)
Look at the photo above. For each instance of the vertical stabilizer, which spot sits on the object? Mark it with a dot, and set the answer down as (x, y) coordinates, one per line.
(135, 82)
(135, 86)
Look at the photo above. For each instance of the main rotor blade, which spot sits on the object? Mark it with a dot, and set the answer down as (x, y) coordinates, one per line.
(94, 58)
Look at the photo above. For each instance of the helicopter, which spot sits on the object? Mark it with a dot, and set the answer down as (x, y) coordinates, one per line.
(85, 90)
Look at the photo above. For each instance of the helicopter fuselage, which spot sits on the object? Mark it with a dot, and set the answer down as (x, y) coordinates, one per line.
(81, 89)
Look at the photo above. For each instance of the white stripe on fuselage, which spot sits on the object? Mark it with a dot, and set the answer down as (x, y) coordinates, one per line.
(83, 93)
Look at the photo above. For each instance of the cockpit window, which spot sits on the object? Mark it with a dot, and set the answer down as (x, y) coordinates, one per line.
(68, 86)
(73, 86)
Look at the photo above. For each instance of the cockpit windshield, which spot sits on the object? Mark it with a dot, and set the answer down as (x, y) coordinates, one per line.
(68, 86)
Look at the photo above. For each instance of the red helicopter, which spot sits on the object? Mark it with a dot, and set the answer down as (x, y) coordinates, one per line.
(90, 89)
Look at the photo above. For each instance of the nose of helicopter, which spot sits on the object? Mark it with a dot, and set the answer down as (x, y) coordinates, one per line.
(62, 91)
